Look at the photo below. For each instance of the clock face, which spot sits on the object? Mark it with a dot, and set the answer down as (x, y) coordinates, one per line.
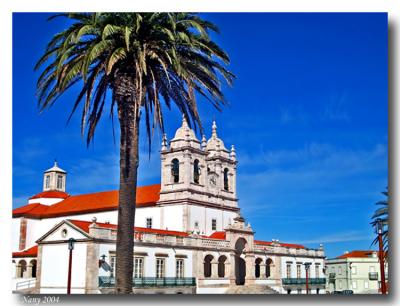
(213, 180)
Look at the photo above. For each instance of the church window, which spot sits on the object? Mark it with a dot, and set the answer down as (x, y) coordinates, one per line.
(196, 224)
(207, 265)
(160, 267)
(149, 222)
(179, 268)
(175, 170)
(112, 264)
(59, 182)
(258, 268)
(226, 180)
(138, 267)
(317, 271)
(214, 224)
(298, 271)
(47, 184)
(288, 270)
(221, 266)
(196, 171)
(268, 268)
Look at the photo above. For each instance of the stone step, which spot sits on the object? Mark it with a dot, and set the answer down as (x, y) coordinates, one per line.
(251, 289)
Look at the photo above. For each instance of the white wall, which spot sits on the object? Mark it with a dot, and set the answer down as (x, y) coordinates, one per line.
(204, 215)
(54, 273)
(173, 217)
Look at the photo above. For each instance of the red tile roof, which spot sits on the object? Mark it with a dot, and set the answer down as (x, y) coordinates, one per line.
(51, 194)
(31, 252)
(88, 203)
(218, 235)
(288, 245)
(358, 254)
(84, 225)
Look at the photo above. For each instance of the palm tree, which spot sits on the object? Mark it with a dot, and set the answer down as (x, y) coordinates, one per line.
(382, 213)
(143, 61)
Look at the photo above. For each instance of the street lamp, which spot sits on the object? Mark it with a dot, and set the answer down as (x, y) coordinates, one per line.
(307, 266)
(71, 244)
(379, 226)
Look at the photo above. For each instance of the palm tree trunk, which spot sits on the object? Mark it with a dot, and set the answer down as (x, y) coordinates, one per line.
(129, 118)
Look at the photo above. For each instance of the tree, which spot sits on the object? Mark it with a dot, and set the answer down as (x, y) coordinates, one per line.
(382, 213)
(145, 62)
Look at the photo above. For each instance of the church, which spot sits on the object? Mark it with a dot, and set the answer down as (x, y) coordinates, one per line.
(190, 236)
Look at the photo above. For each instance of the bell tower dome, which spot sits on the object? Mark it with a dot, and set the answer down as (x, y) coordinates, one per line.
(54, 178)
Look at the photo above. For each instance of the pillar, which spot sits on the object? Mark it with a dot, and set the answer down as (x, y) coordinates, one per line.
(214, 269)
(92, 268)
(228, 268)
(233, 267)
(250, 269)
(263, 271)
(29, 271)
(17, 270)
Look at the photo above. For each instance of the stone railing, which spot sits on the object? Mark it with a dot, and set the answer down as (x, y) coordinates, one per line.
(156, 238)
(286, 250)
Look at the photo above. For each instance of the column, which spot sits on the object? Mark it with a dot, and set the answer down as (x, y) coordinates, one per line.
(17, 270)
(29, 271)
(232, 268)
(250, 269)
(228, 267)
(214, 269)
(92, 268)
(262, 270)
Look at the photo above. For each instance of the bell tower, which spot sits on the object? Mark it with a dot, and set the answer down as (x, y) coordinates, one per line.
(54, 178)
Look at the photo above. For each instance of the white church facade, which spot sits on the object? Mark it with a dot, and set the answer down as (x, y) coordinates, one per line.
(190, 236)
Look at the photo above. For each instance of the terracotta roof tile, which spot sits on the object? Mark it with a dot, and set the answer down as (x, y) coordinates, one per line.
(50, 194)
(358, 254)
(31, 252)
(288, 245)
(91, 202)
(218, 235)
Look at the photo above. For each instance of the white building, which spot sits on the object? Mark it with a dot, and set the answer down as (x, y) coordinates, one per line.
(358, 271)
(189, 237)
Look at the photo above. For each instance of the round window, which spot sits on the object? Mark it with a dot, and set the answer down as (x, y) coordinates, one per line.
(64, 233)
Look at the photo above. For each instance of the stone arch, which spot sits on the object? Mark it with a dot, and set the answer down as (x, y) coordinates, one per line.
(241, 246)
(22, 268)
(33, 267)
(257, 267)
(207, 265)
(221, 266)
(268, 265)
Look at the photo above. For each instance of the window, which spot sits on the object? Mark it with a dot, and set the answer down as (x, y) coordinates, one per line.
(47, 183)
(317, 271)
(196, 224)
(175, 170)
(138, 267)
(366, 284)
(112, 263)
(298, 268)
(149, 222)
(354, 284)
(340, 270)
(214, 224)
(179, 268)
(196, 171)
(226, 179)
(59, 182)
(160, 265)
(288, 270)
(353, 270)
(340, 284)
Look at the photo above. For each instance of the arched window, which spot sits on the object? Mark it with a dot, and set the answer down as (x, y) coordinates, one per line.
(226, 180)
(221, 266)
(33, 264)
(175, 170)
(207, 265)
(196, 171)
(268, 267)
(257, 268)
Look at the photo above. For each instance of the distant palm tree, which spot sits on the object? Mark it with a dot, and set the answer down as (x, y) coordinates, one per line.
(141, 60)
(382, 213)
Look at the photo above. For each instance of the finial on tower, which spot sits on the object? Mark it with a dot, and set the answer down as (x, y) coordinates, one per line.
(164, 142)
(55, 162)
(184, 121)
(203, 142)
(233, 152)
(214, 129)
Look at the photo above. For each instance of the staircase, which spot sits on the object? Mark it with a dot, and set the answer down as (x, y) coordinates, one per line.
(251, 289)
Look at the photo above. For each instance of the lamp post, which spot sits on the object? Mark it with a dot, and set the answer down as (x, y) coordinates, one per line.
(379, 226)
(307, 266)
(71, 243)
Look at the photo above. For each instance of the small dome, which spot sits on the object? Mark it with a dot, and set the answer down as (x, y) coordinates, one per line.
(215, 143)
(55, 168)
(184, 132)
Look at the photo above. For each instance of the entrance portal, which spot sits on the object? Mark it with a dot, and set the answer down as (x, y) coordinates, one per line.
(240, 263)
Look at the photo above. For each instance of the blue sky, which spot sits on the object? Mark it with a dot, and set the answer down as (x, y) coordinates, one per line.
(308, 116)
